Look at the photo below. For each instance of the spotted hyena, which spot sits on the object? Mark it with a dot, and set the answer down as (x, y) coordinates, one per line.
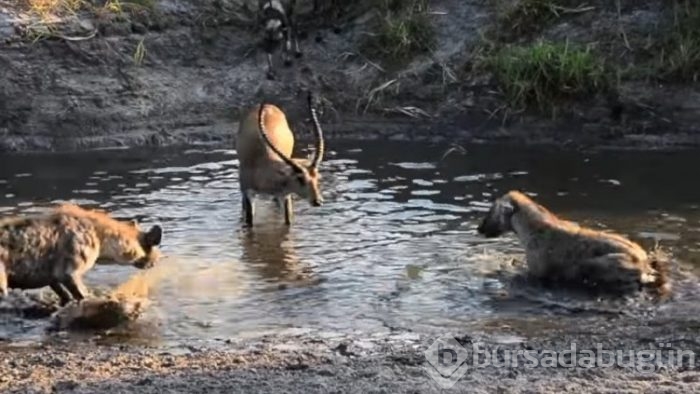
(558, 250)
(58, 247)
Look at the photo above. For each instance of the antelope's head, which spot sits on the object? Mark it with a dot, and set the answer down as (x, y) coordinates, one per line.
(301, 176)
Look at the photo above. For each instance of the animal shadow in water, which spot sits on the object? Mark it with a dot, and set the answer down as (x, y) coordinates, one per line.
(269, 249)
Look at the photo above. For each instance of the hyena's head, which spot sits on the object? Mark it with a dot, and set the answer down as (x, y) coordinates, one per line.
(498, 219)
(127, 243)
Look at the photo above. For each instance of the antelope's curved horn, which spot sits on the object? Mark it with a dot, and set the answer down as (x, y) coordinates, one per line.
(263, 133)
(320, 144)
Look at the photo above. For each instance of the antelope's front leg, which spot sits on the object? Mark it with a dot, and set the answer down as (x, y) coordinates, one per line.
(288, 210)
(248, 209)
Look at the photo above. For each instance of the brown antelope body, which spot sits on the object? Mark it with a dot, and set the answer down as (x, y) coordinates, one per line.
(264, 144)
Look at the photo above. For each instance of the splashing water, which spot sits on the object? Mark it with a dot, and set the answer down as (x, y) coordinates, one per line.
(124, 304)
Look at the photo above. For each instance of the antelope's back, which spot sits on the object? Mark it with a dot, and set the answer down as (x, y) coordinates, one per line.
(249, 144)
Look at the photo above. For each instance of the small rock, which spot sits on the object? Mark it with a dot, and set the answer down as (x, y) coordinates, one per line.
(65, 385)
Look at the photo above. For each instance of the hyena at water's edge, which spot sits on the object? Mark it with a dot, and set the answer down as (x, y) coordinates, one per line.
(57, 248)
(561, 251)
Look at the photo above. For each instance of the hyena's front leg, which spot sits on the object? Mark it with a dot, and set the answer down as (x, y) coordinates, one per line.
(3, 280)
(61, 292)
(74, 284)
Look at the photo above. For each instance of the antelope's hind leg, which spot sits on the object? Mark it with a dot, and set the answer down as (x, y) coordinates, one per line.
(288, 210)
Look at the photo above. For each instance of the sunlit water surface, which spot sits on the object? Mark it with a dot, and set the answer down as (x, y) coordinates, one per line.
(394, 246)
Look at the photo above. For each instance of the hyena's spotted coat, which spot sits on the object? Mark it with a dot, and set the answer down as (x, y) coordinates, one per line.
(57, 248)
(562, 251)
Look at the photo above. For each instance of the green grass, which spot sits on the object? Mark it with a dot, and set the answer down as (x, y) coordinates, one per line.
(404, 30)
(540, 75)
(679, 56)
(526, 16)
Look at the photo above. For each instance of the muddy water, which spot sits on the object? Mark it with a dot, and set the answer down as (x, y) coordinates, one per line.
(394, 247)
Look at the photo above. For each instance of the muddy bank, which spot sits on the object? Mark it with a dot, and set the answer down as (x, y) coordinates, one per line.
(380, 362)
(182, 71)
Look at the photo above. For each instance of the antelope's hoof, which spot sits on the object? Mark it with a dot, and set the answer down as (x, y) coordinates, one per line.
(319, 38)
(270, 75)
(298, 55)
(288, 63)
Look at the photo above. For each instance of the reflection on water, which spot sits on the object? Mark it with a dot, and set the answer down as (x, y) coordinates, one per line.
(394, 245)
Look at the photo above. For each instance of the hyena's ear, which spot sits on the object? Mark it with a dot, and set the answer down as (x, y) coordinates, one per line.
(507, 207)
(153, 236)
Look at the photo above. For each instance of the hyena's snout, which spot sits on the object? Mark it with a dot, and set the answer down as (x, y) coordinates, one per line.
(149, 260)
(149, 242)
(489, 228)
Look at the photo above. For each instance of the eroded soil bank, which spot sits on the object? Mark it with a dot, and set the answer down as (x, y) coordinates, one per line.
(383, 362)
(181, 71)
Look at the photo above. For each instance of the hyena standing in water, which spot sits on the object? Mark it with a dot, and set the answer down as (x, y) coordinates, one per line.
(57, 248)
(279, 28)
(562, 251)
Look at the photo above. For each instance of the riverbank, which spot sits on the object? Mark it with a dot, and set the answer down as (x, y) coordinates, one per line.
(381, 362)
(180, 72)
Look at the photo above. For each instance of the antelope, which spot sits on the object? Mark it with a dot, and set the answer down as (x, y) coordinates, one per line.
(558, 250)
(264, 144)
(279, 27)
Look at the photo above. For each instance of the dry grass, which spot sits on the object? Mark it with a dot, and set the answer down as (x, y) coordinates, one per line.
(48, 17)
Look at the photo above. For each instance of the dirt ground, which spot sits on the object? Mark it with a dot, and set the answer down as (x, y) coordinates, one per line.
(200, 66)
(382, 362)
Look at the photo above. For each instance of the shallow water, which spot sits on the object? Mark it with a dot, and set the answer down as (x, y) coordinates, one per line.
(393, 247)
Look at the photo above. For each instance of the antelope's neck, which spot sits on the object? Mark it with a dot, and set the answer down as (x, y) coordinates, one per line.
(272, 178)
